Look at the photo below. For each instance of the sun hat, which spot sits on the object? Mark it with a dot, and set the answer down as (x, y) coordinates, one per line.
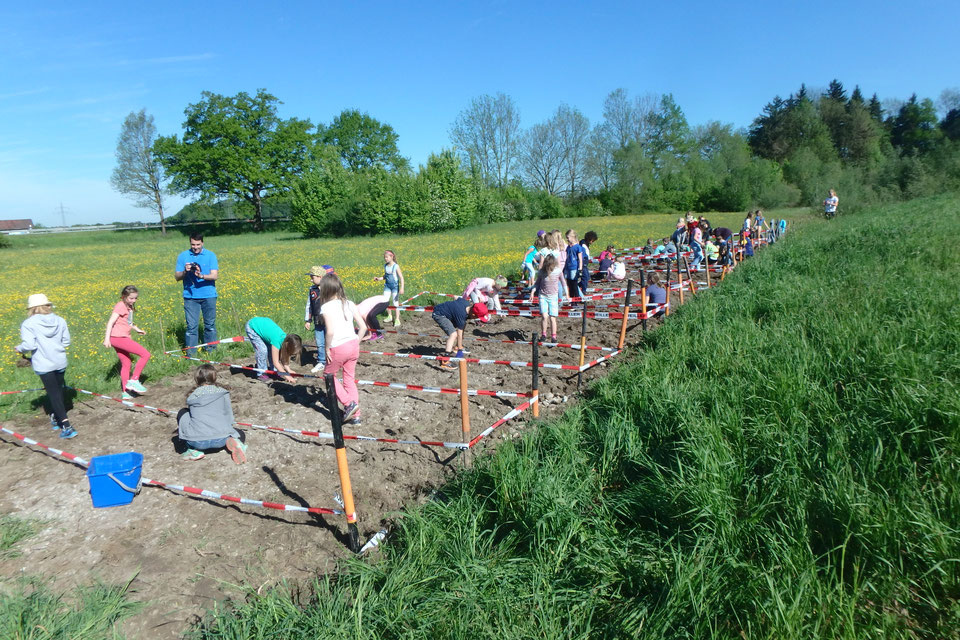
(319, 271)
(37, 300)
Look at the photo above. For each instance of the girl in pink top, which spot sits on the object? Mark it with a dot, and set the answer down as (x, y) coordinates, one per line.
(342, 344)
(118, 336)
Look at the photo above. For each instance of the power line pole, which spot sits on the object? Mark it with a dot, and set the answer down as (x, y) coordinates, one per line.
(63, 216)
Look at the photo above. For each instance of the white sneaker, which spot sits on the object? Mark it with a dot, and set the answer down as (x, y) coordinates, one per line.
(318, 368)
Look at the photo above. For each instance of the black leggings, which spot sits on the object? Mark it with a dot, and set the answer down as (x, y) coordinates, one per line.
(53, 385)
(372, 321)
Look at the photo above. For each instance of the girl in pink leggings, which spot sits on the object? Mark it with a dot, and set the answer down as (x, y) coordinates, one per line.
(342, 321)
(118, 337)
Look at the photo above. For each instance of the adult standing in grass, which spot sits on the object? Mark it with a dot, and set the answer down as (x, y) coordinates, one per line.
(197, 268)
(45, 334)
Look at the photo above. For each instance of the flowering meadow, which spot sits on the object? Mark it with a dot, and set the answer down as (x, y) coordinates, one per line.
(260, 274)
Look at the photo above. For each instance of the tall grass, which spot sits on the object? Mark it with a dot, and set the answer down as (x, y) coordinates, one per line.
(779, 460)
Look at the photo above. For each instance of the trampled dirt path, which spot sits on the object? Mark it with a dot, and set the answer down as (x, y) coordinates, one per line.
(183, 553)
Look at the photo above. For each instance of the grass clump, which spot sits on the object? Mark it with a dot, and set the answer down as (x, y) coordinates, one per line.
(31, 611)
(780, 460)
(12, 531)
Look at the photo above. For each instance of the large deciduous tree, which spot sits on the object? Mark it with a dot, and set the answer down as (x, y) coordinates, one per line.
(236, 146)
(138, 174)
(541, 156)
(362, 142)
(487, 135)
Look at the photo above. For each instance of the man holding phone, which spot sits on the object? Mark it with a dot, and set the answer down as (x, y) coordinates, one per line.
(197, 268)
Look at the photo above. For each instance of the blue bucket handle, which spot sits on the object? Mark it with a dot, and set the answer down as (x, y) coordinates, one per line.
(125, 487)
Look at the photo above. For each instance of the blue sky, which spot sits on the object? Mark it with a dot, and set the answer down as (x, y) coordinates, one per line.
(71, 72)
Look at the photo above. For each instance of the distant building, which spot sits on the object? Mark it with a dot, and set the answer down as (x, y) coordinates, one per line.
(15, 226)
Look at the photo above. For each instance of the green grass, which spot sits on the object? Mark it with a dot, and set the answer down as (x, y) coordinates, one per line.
(779, 460)
(12, 531)
(261, 274)
(30, 610)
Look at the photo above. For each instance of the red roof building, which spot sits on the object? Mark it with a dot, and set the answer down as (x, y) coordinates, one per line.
(7, 226)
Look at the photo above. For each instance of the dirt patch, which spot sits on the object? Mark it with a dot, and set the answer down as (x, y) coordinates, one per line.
(186, 552)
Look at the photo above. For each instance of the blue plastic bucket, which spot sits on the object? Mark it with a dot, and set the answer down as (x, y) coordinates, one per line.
(114, 479)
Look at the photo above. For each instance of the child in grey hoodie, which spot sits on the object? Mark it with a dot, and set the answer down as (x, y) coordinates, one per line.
(207, 422)
(46, 335)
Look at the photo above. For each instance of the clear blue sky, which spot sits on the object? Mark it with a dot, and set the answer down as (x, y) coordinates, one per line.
(72, 71)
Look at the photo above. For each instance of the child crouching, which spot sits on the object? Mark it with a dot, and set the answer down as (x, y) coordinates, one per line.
(207, 422)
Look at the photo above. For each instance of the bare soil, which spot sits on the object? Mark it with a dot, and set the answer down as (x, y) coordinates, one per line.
(184, 553)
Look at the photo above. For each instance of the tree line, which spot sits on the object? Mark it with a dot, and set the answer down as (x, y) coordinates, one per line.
(348, 177)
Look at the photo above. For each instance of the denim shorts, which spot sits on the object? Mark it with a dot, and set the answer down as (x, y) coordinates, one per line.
(549, 305)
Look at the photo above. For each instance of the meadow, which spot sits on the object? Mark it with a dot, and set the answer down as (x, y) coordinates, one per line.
(779, 460)
(260, 274)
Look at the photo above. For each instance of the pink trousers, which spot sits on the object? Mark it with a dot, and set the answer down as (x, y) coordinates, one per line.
(125, 348)
(345, 357)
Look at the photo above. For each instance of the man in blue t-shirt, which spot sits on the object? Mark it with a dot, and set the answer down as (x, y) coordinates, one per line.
(197, 268)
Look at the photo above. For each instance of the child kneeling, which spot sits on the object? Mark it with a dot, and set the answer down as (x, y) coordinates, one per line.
(207, 422)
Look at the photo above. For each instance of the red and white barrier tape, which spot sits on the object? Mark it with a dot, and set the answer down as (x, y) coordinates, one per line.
(474, 339)
(7, 393)
(510, 416)
(600, 315)
(176, 487)
(511, 363)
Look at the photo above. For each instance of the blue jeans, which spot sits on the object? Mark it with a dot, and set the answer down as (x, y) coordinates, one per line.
(320, 336)
(192, 308)
(697, 255)
(260, 349)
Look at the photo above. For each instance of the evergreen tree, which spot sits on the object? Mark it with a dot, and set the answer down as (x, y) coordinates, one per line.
(835, 91)
(856, 97)
(915, 129)
(876, 109)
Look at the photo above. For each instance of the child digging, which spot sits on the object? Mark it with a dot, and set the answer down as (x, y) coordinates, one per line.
(207, 422)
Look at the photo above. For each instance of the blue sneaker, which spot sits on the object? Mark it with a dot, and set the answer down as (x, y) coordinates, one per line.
(67, 432)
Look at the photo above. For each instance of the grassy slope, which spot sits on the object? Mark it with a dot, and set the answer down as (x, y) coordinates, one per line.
(780, 462)
(263, 274)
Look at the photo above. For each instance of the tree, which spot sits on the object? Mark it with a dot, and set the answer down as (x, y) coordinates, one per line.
(363, 141)
(599, 164)
(876, 109)
(951, 125)
(138, 174)
(487, 135)
(541, 156)
(628, 120)
(915, 129)
(573, 129)
(236, 146)
(668, 138)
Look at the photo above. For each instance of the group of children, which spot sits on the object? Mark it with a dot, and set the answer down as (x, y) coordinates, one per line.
(555, 266)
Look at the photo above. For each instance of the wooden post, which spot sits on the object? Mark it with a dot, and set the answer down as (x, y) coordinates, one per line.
(669, 291)
(535, 388)
(723, 274)
(464, 402)
(353, 536)
(626, 310)
(583, 342)
(706, 262)
(679, 277)
(693, 287)
(643, 300)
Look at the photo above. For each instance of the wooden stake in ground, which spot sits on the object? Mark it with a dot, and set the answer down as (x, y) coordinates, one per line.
(679, 277)
(464, 402)
(535, 387)
(706, 261)
(626, 310)
(693, 287)
(583, 343)
(353, 536)
(643, 299)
